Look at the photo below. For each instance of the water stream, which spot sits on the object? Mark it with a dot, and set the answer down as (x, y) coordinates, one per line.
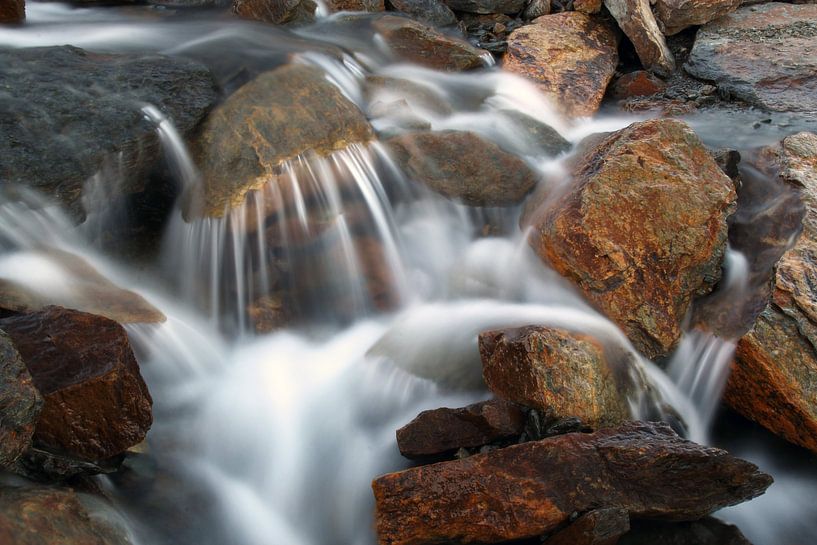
(272, 437)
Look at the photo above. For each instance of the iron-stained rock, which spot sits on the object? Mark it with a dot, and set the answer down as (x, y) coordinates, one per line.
(20, 404)
(636, 19)
(675, 15)
(276, 11)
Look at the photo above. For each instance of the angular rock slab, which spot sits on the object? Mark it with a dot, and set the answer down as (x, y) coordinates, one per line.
(440, 431)
(96, 403)
(415, 42)
(49, 516)
(764, 54)
(642, 230)
(675, 15)
(774, 377)
(570, 56)
(530, 489)
(278, 116)
(65, 112)
(463, 166)
(561, 373)
(636, 19)
(20, 404)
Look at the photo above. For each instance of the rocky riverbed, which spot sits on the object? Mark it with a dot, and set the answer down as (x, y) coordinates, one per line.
(251, 251)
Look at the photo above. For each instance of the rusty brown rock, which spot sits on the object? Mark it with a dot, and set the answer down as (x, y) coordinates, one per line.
(570, 56)
(442, 431)
(530, 489)
(598, 527)
(511, 7)
(675, 15)
(415, 42)
(588, 6)
(642, 231)
(83, 288)
(278, 116)
(12, 11)
(775, 371)
(96, 403)
(463, 166)
(638, 84)
(561, 373)
(20, 404)
(765, 55)
(356, 5)
(276, 11)
(636, 19)
(49, 516)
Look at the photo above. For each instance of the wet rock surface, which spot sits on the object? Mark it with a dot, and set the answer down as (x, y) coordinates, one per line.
(96, 403)
(570, 56)
(561, 373)
(65, 112)
(463, 166)
(279, 115)
(276, 11)
(415, 42)
(765, 55)
(432, 12)
(530, 489)
(775, 370)
(642, 230)
(636, 20)
(20, 404)
(443, 431)
(48, 516)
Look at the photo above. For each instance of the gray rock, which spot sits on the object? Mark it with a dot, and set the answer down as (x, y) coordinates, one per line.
(433, 12)
(487, 6)
(20, 404)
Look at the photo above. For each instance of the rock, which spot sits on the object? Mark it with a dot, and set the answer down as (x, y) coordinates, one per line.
(50, 467)
(587, 6)
(278, 12)
(707, 531)
(383, 89)
(598, 527)
(269, 313)
(775, 371)
(765, 55)
(510, 7)
(356, 5)
(526, 490)
(561, 373)
(536, 8)
(638, 22)
(96, 403)
(431, 12)
(50, 143)
(79, 286)
(278, 116)
(675, 15)
(415, 42)
(20, 404)
(50, 516)
(570, 56)
(638, 84)
(12, 11)
(443, 431)
(643, 229)
(544, 139)
(463, 166)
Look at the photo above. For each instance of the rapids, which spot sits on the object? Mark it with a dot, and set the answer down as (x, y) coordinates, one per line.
(267, 439)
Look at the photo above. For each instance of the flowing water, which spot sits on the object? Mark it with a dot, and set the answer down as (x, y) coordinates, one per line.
(273, 437)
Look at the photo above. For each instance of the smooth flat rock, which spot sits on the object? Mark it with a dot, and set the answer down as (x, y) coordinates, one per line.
(765, 55)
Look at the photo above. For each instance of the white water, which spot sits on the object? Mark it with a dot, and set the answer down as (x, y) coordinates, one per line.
(282, 433)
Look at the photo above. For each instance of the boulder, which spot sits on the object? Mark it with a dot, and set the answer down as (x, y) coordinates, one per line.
(598, 527)
(707, 531)
(527, 490)
(510, 7)
(50, 516)
(642, 230)
(636, 20)
(570, 56)
(66, 112)
(96, 403)
(675, 15)
(356, 5)
(540, 139)
(463, 166)
(561, 373)
(536, 8)
(774, 377)
(20, 404)
(12, 11)
(278, 12)
(276, 117)
(765, 55)
(431, 12)
(444, 431)
(638, 84)
(415, 42)
(79, 286)
(588, 6)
